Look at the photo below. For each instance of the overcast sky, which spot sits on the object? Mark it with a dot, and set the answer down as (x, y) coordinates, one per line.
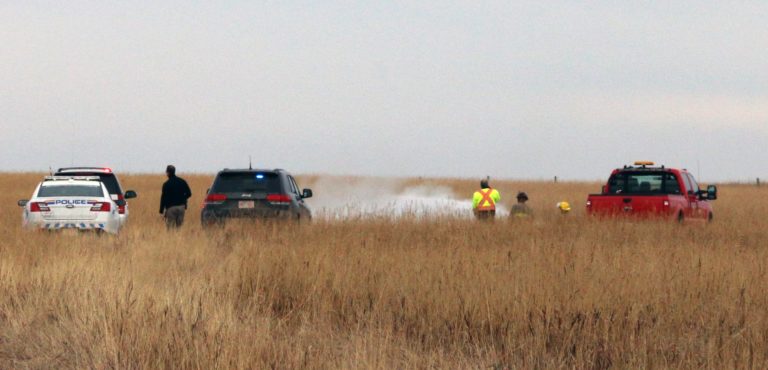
(393, 88)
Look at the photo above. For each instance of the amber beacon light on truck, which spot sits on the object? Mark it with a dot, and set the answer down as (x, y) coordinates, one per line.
(644, 163)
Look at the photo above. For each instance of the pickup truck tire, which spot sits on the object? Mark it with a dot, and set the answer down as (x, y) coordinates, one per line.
(710, 217)
(680, 218)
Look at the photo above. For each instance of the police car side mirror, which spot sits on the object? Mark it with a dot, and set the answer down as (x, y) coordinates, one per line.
(306, 193)
(22, 203)
(130, 194)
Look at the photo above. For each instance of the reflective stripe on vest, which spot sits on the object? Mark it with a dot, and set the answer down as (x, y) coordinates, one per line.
(486, 204)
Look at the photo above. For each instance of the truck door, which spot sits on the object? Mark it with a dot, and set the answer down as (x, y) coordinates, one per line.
(689, 197)
(696, 209)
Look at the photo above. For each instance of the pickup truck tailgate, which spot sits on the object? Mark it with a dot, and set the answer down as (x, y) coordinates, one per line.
(630, 205)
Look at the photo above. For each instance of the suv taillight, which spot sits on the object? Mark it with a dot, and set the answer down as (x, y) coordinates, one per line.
(100, 207)
(279, 199)
(39, 207)
(121, 209)
(215, 199)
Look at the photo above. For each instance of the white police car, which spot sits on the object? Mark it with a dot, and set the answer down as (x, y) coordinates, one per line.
(71, 202)
(109, 178)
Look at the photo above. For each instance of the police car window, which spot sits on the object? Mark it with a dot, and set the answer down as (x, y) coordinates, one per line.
(70, 191)
(233, 182)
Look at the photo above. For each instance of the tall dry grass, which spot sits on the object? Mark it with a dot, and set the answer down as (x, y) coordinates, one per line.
(556, 292)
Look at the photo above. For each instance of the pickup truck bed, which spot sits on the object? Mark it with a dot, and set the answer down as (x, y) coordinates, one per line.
(637, 205)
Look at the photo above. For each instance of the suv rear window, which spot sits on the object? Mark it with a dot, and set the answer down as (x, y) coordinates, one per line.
(109, 179)
(70, 191)
(251, 182)
(643, 183)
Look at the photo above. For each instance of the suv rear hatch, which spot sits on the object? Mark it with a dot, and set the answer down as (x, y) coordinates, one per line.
(247, 194)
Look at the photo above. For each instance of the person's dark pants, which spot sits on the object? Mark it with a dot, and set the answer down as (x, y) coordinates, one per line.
(174, 216)
(485, 215)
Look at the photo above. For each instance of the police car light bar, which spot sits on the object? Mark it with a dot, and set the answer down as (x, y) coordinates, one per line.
(62, 178)
(85, 169)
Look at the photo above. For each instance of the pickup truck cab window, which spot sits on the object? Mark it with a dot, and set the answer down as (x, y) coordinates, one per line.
(687, 181)
(694, 185)
(644, 183)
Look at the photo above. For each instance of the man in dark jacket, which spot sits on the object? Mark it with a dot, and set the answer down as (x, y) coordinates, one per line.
(173, 201)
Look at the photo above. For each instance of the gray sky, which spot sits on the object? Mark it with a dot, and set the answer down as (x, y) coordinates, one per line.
(465, 88)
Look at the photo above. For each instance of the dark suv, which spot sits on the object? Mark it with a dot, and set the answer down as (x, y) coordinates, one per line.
(253, 193)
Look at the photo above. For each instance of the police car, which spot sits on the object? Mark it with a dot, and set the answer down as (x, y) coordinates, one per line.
(72, 202)
(109, 178)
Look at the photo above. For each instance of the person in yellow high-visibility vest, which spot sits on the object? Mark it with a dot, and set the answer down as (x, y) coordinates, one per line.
(484, 201)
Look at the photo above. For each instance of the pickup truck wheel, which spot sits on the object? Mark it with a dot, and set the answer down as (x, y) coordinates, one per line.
(680, 218)
(710, 217)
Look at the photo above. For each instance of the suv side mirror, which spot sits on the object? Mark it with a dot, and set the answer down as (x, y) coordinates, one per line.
(306, 193)
(22, 203)
(711, 192)
(130, 194)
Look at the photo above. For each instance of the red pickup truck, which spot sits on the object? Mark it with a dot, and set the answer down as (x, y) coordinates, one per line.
(647, 191)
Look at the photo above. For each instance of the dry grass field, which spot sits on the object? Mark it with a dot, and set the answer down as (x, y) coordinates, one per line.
(555, 292)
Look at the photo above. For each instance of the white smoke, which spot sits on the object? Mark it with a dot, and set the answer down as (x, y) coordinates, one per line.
(342, 199)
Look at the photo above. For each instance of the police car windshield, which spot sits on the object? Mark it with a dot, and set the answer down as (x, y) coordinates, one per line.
(251, 182)
(70, 191)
